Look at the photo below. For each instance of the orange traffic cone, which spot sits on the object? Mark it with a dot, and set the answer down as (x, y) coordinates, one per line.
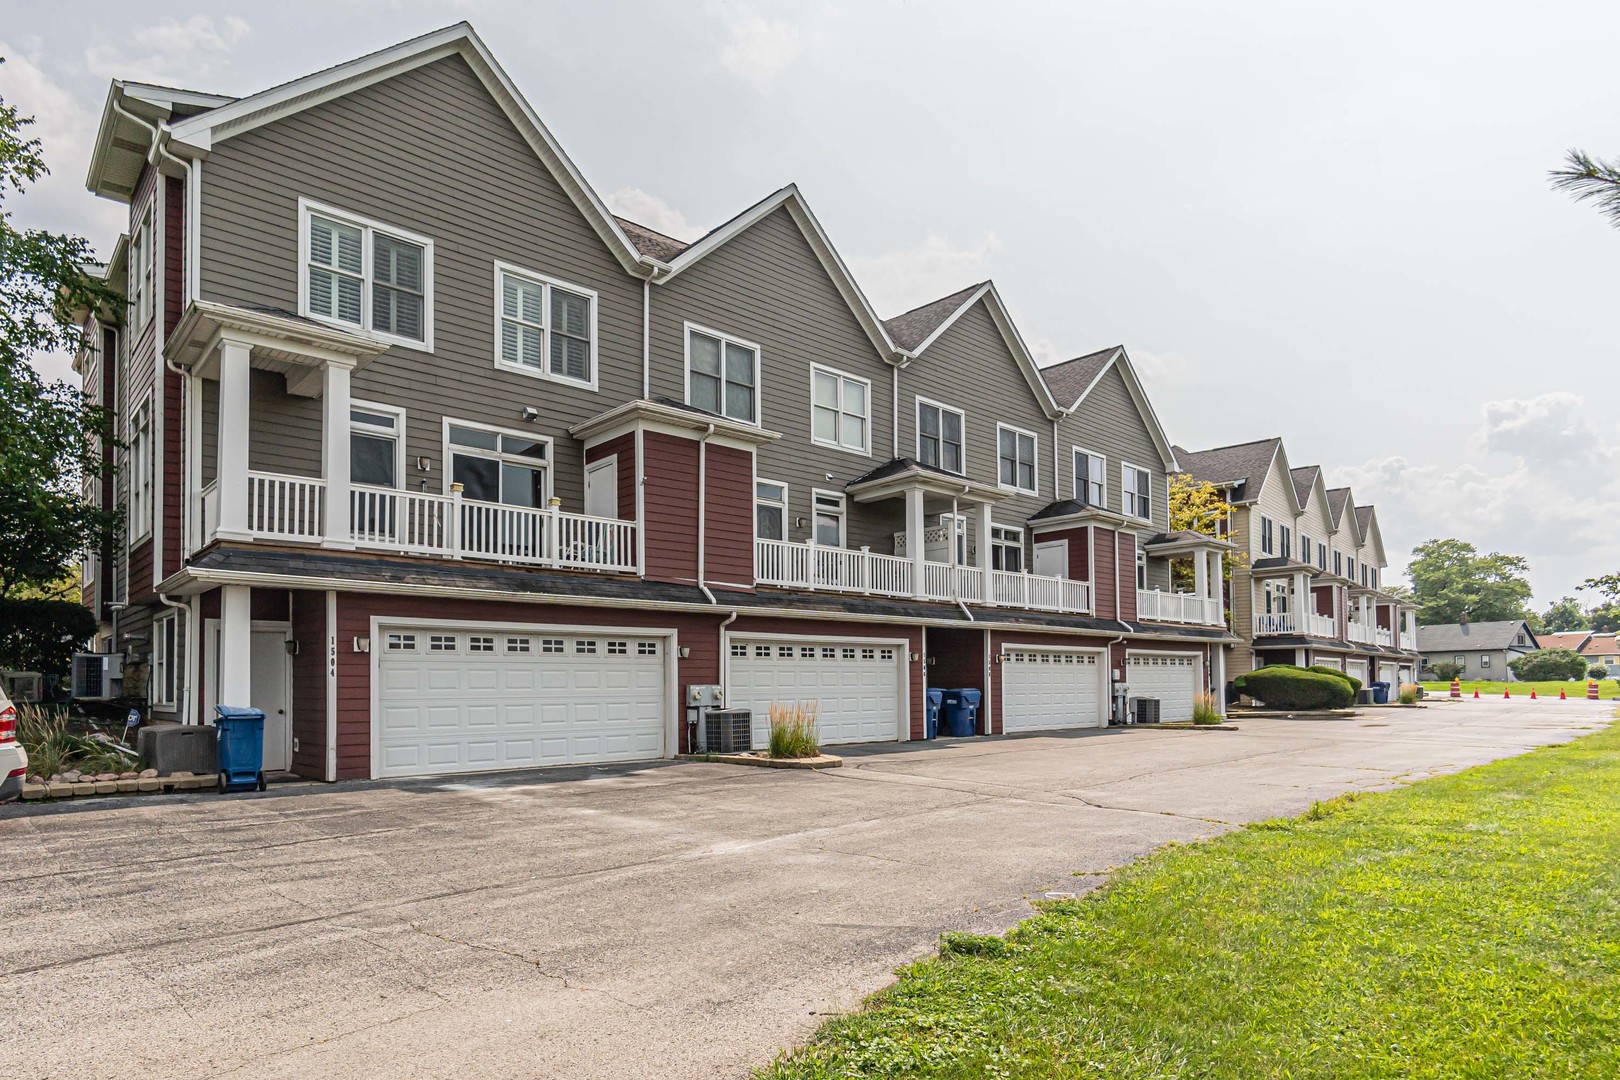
(1561, 696)
(1476, 693)
(1532, 695)
(1505, 693)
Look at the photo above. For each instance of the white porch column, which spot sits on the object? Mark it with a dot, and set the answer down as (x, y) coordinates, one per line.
(235, 645)
(1302, 602)
(335, 455)
(231, 460)
(981, 542)
(1201, 574)
(915, 544)
(1217, 674)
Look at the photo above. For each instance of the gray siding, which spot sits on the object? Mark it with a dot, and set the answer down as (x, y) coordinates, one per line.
(970, 368)
(767, 287)
(430, 152)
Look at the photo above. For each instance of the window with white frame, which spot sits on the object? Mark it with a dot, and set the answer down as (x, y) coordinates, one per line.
(1484, 660)
(1286, 537)
(546, 327)
(366, 275)
(1015, 451)
(497, 466)
(1321, 555)
(840, 410)
(770, 510)
(722, 375)
(1007, 549)
(1267, 541)
(1350, 569)
(1304, 548)
(1136, 490)
(142, 272)
(939, 436)
(1090, 478)
(1141, 570)
(829, 518)
(164, 661)
(375, 445)
(1373, 577)
(1338, 563)
(140, 472)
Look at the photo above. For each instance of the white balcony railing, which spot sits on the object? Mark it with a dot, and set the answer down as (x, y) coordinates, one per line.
(1291, 623)
(1358, 632)
(1155, 605)
(1409, 642)
(1384, 637)
(812, 566)
(445, 526)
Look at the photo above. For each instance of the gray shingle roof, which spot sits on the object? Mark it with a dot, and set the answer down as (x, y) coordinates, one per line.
(910, 329)
(650, 241)
(1244, 465)
(1338, 499)
(1363, 518)
(1069, 379)
(1304, 479)
(1466, 637)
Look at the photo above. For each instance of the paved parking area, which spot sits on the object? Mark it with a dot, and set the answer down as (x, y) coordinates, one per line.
(674, 920)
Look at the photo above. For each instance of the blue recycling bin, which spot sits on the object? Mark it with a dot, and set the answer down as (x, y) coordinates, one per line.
(1380, 691)
(241, 748)
(936, 699)
(961, 712)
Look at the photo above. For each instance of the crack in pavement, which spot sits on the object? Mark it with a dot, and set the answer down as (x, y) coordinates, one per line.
(520, 958)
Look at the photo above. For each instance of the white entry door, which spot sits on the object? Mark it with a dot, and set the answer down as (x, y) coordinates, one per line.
(1391, 674)
(1052, 558)
(602, 488)
(269, 682)
(1047, 689)
(455, 700)
(1170, 677)
(1356, 669)
(856, 686)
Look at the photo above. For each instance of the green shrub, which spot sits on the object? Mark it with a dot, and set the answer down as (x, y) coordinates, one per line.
(1322, 669)
(1597, 671)
(1547, 665)
(1447, 670)
(1287, 687)
(1206, 709)
(53, 746)
(793, 731)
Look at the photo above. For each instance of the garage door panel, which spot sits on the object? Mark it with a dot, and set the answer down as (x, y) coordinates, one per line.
(1048, 690)
(855, 687)
(1173, 679)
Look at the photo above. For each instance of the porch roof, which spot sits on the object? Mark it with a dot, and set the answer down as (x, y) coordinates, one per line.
(896, 476)
(1181, 541)
(279, 340)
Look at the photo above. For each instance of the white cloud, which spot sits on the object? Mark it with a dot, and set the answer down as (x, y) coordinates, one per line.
(172, 52)
(649, 210)
(1547, 494)
(759, 49)
(897, 281)
(1157, 369)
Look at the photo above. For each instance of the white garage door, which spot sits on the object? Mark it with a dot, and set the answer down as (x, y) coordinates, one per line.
(1333, 662)
(453, 701)
(1173, 679)
(1356, 669)
(1391, 674)
(1042, 689)
(855, 686)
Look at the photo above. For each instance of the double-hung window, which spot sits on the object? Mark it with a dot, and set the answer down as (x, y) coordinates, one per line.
(1015, 451)
(1007, 549)
(498, 466)
(1137, 492)
(722, 375)
(1304, 548)
(140, 471)
(1321, 555)
(1141, 570)
(1286, 535)
(1090, 478)
(375, 448)
(365, 276)
(1338, 563)
(142, 272)
(546, 327)
(1350, 569)
(829, 518)
(840, 410)
(1267, 544)
(770, 510)
(939, 436)
(164, 661)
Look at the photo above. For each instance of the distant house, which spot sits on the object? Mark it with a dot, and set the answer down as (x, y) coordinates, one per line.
(1483, 649)
(1603, 649)
(1573, 640)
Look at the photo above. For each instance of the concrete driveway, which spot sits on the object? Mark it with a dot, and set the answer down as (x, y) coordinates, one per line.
(676, 920)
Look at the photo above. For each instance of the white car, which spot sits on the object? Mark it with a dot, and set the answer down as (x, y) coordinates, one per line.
(13, 759)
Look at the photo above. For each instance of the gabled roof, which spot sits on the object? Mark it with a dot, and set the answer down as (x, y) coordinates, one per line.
(1466, 637)
(1242, 467)
(197, 134)
(651, 242)
(1304, 477)
(1364, 517)
(1601, 645)
(1574, 640)
(1072, 379)
(1338, 499)
(788, 198)
(925, 325)
(911, 329)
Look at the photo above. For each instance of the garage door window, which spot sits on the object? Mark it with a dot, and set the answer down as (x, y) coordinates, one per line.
(441, 643)
(517, 645)
(401, 643)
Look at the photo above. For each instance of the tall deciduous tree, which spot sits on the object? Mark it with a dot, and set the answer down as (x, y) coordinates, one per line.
(46, 429)
(1450, 579)
(1564, 614)
(1198, 506)
(1592, 180)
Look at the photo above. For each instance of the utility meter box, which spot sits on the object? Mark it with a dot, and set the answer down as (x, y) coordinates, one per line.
(704, 697)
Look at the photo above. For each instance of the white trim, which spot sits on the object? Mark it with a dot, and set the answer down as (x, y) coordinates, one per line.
(396, 411)
(1075, 451)
(165, 702)
(140, 464)
(672, 700)
(369, 227)
(1035, 461)
(547, 283)
(726, 339)
(193, 267)
(1006, 541)
(901, 645)
(787, 505)
(839, 412)
(843, 514)
(1105, 700)
(916, 416)
(497, 454)
(1010, 337)
(1130, 511)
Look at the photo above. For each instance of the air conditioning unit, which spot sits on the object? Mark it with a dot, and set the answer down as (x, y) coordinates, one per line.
(24, 687)
(1145, 710)
(98, 676)
(726, 731)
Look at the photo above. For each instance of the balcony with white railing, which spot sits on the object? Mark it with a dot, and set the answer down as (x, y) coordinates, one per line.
(816, 567)
(1288, 622)
(1358, 632)
(1384, 637)
(1408, 641)
(1156, 605)
(292, 509)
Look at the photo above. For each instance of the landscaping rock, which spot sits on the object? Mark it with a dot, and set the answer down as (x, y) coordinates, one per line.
(73, 776)
(128, 774)
(54, 778)
(147, 774)
(106, 777)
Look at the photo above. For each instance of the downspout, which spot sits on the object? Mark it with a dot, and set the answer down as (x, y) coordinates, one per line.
(895, 434)
(703, 500)
(646, 338)
(191, 656)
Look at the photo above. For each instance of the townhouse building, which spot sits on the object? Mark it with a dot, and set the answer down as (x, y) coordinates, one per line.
(1308, 587)
(448, 468)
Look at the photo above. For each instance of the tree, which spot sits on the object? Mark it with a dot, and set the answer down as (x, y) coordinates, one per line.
(1597, 671)
(1549, 665)
(1450, 579)
(1590, 179)
(1604, 618)
(1564, 614)
(1447, 670)
(47, 430)
(1198, 506)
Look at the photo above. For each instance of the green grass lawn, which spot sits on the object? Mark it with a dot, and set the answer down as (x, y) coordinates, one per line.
(1467, 926)
(1607, 689)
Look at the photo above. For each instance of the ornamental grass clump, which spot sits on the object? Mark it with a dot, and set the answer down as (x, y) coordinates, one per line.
(1206, 709)
(1410, 692)
(793, 730)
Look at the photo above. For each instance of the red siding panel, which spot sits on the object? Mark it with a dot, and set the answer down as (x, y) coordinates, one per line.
(1104, 587)
(309, 683)
(671, 505)
(624, 448)
(1127, 576)
(728, 526)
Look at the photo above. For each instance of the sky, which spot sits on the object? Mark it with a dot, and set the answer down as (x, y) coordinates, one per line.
(1326, 222)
